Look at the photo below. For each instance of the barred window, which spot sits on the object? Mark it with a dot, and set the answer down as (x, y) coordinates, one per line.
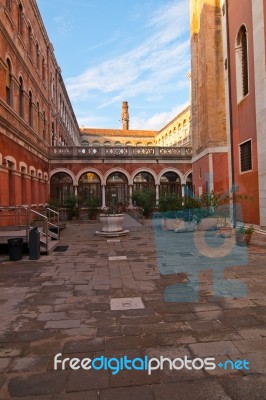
(245, 156)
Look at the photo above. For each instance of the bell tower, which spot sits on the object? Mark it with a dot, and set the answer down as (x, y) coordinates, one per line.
(125, 116)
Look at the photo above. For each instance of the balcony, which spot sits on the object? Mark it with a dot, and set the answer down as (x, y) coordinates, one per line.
(106, 152)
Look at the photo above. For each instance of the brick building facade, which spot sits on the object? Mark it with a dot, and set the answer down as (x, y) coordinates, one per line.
(35, 111)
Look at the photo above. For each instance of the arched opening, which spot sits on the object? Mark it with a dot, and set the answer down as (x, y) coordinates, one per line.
(61, 188)
(96, 143)
(189, 185)
(118, 143)
(107, 143)
(143, 181)
(84, 143)
(117, 189)
(90, 190)
(170, 182)
(241, 54)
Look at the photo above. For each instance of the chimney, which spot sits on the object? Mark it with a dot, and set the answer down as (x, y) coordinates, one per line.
(125, 116)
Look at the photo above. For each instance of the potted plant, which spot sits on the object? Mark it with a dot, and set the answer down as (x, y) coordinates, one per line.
(207, 218)
(144, 199)
(71, 203)
(243, 235)
(93, 207)
(224, 223)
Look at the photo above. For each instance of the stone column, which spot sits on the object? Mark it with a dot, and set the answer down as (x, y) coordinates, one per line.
(130, 188)
(183, 190)
(103, 196)
(157, 194)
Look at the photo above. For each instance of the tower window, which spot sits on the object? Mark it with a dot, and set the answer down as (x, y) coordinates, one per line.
(245, 156)
(242, 63)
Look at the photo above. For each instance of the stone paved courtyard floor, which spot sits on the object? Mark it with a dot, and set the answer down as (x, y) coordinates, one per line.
(62, 304)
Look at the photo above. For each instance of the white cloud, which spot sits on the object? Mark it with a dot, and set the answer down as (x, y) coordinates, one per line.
(150, 69)
(64, 24)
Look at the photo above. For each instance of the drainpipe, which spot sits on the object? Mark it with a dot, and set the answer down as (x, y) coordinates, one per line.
(230, 114)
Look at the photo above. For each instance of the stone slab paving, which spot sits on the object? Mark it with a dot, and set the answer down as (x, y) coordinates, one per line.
(62, 304)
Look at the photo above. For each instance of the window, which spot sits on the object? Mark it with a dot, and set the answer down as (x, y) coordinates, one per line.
(9, 4)
(8, 83)
(241, 52)
(21, 94)
(20, 19)
(44, 126)
(38, 118)
(30, 108)
(245, 156)
(30, 40)
(43, 70)
(37, 56)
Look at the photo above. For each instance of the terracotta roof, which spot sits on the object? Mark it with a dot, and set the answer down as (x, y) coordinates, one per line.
(118, 132)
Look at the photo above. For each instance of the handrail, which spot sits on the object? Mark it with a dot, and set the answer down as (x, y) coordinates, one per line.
(136, 213)
(50, 210)
(45, 224)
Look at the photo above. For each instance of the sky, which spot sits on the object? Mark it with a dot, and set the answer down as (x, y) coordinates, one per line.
(111, 51)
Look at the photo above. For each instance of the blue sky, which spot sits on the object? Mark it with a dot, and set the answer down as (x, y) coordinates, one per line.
(111, 51)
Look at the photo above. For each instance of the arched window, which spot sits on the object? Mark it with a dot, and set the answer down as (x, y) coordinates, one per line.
(53, 135)
(170, 183)
(20, 19)
(43, 70)
(9, 4)
(61, 187)
(107, 143)
(84, 143)
(44, 126)
(37, 56)
(30, 40)
(8, 83)
(38, 118)
(89, 190)
(30, 108)
(241, 53)
(21, 97)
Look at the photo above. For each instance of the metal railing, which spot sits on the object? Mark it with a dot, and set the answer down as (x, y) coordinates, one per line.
(136, 213)
(44, 219)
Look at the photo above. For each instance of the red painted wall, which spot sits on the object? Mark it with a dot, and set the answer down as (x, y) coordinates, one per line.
(243, 114)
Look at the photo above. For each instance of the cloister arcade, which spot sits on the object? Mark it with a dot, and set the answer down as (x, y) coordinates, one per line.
(91, 186)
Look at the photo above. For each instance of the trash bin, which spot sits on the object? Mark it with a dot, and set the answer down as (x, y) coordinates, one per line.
(15, 249)
(34, 244)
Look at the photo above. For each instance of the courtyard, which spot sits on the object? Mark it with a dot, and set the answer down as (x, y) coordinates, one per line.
(129, 296)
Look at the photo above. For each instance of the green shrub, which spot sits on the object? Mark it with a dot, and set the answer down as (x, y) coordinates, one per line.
(144, 199)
